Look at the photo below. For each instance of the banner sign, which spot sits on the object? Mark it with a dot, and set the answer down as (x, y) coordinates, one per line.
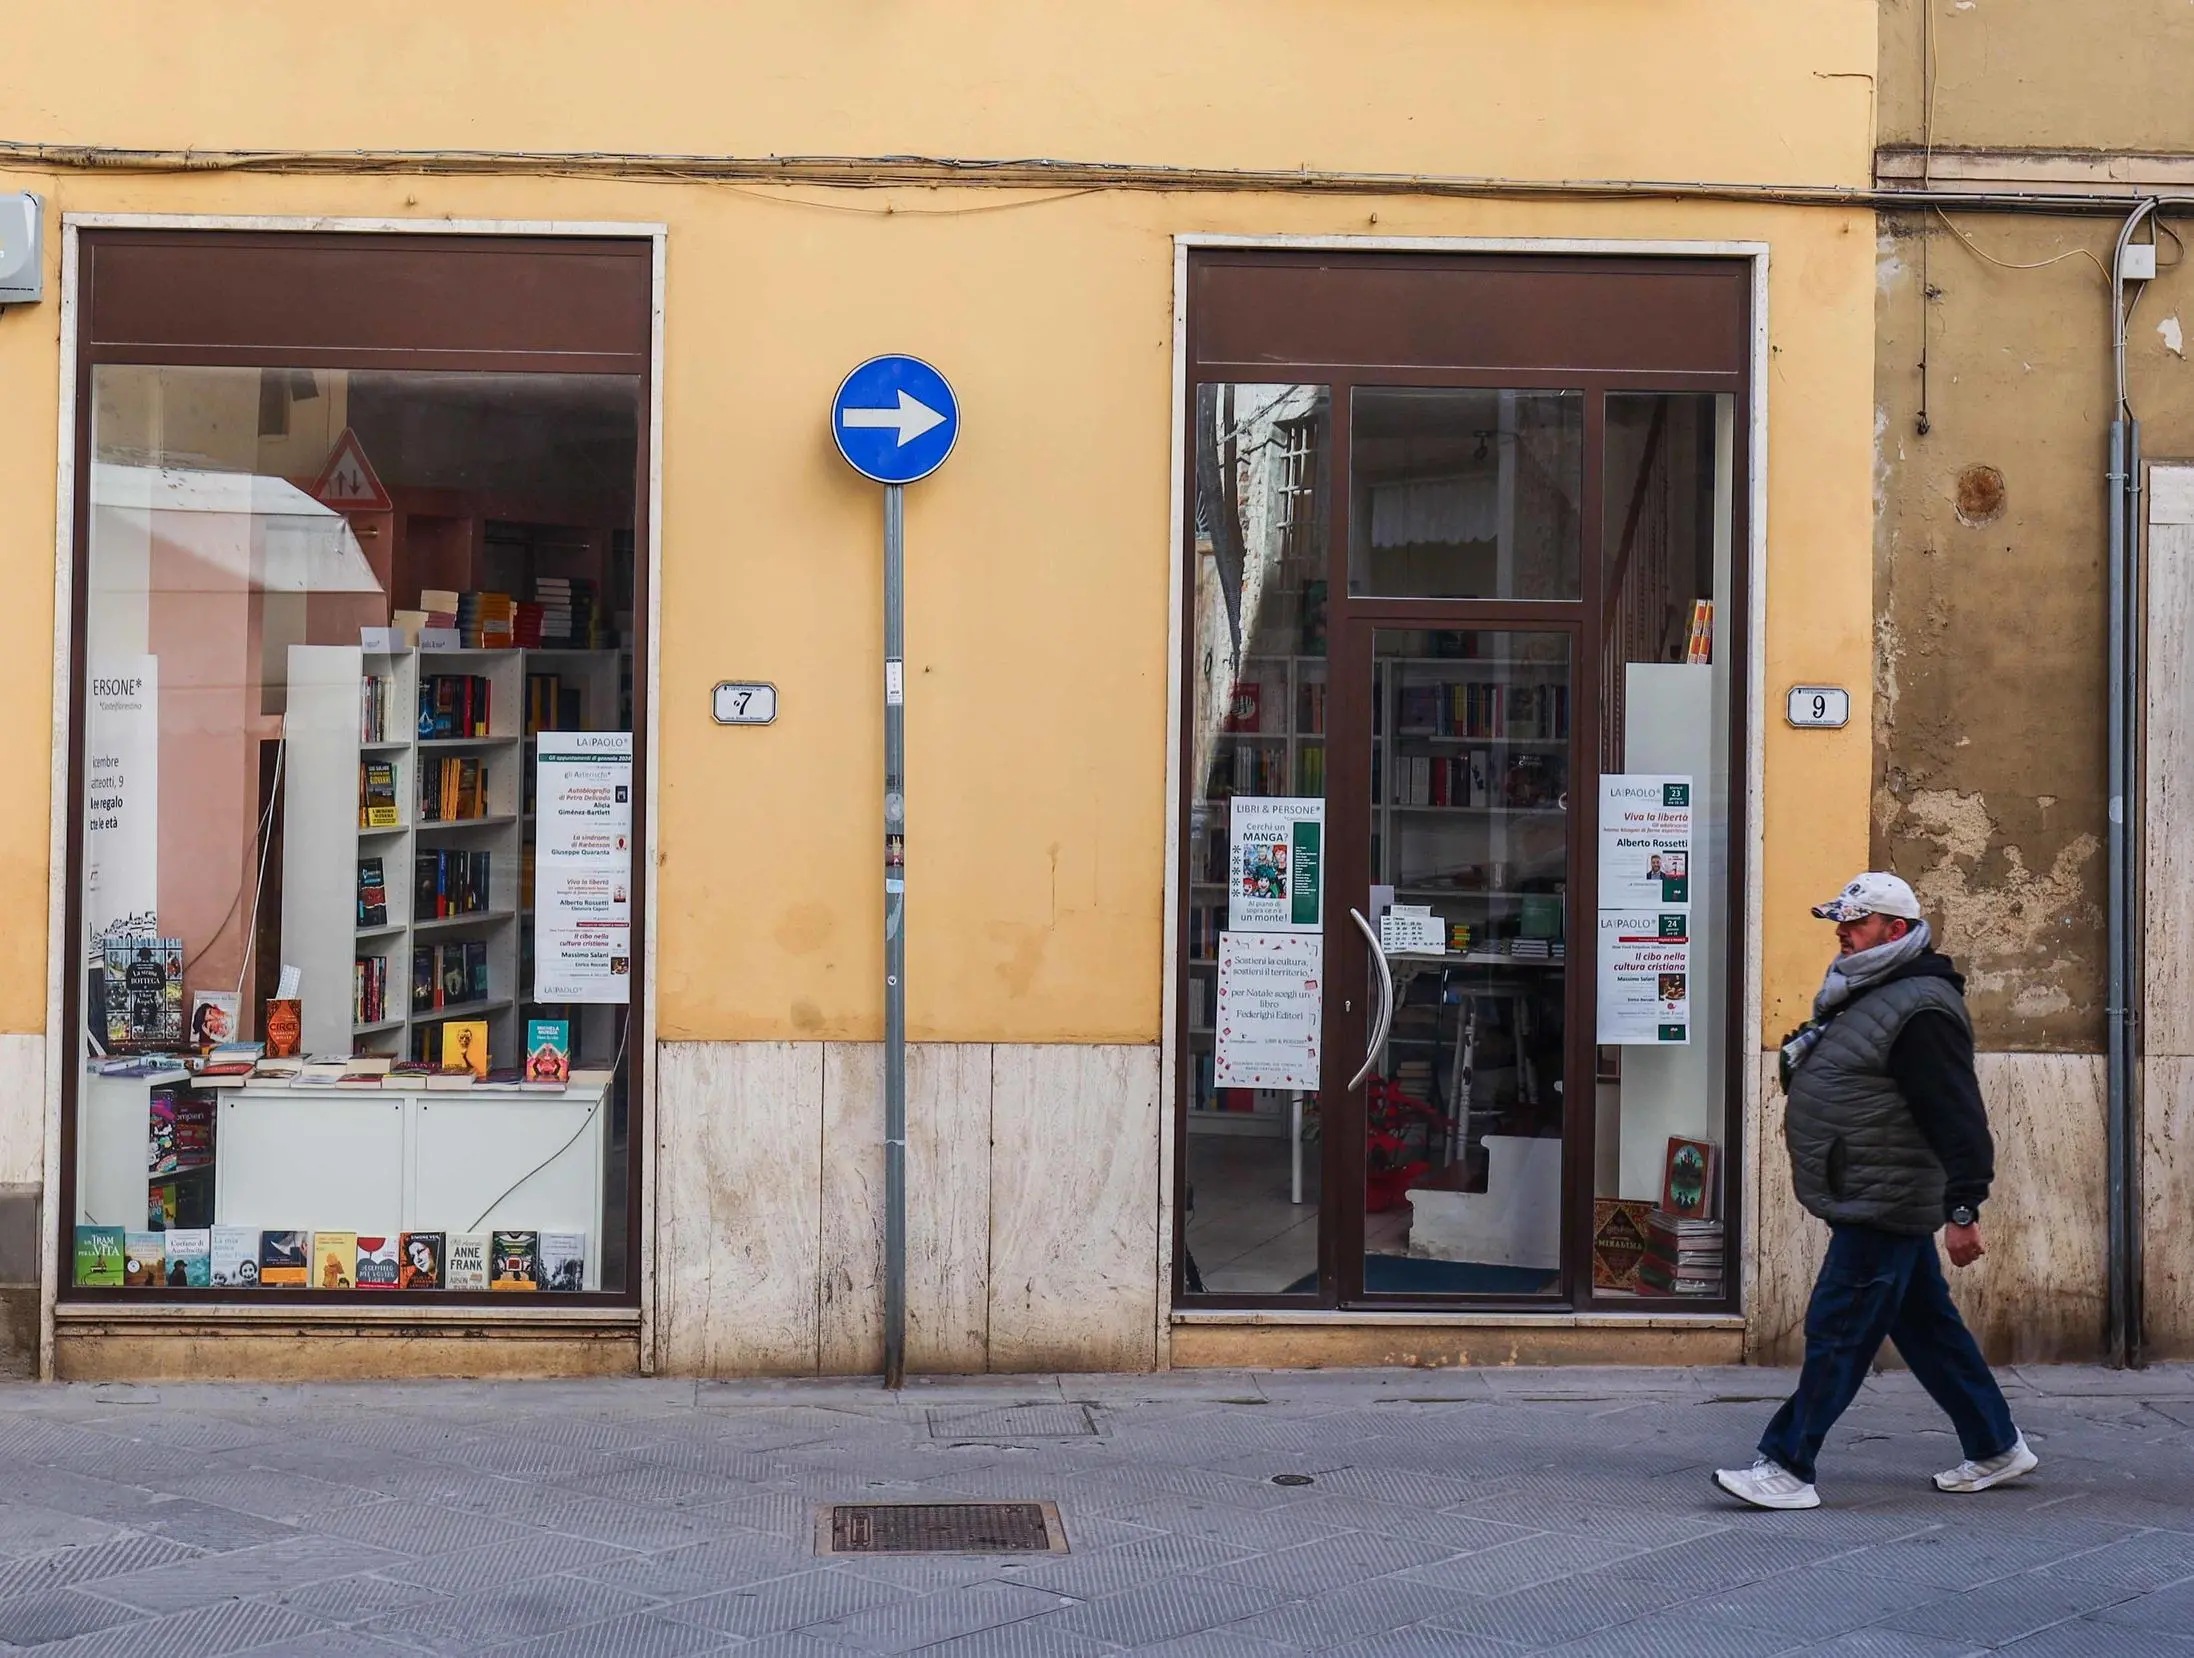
(582, 867)
(1269, 1006)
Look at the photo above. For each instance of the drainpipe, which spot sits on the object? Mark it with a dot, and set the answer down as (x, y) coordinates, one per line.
(2122, 500)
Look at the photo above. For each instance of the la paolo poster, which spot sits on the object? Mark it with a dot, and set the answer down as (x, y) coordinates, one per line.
(582, 872)
(1645, 978)
(1275, 867)
(1645, 841)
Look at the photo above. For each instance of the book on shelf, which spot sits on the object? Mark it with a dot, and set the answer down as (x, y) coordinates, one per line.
(453, 789)
(190, 1257)
(322, 1071)
(334, 1260)
(180, 1131)
(285, 1259)
(377, 722)
(514, 1260)
(548, 1050)
(234, 1257)
(466, 1263)
(419, 1261)
(454, 706)
(369, 986)
(592, 1073)
(506, 1079)
(451, 1079)
(439, 606)
(373, 894)
(284, 1025)
(1618, 1242)
(142, 989)
(366, 1071)
(409, 1073)
(377, 1262)
(377, 794)
(215, 1017)
(451, 881)
(552, 705)
(1699, 641)
(563, 1261)
(144, 1260)
(465, 1046)
(1687, 1180)
(100, 1254)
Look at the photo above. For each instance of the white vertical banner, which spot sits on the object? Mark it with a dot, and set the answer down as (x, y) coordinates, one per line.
(582, 867)
(1270, 1004)
(121, 802)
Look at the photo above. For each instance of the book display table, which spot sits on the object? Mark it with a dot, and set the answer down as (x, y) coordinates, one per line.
(376, 1161)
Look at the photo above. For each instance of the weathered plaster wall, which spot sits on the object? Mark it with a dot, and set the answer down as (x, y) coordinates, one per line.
(2102, 74)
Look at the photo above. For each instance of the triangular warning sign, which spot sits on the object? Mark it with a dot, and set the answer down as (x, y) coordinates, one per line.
(348, 482)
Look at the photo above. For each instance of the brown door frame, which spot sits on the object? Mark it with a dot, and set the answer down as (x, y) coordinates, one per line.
(190, 309)
(1690, 364)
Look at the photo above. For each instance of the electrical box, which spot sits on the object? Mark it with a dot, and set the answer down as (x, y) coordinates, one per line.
(22, 249)
(2137, 262)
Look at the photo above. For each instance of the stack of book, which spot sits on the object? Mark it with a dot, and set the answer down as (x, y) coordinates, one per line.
(526, 626)
(568, 612)
(485, 620)
(438, 605)
(453, 789)
(1682, 1257)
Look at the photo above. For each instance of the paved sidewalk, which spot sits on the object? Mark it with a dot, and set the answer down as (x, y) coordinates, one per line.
(1471, 1514)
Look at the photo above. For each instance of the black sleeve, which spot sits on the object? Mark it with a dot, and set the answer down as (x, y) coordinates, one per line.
(1932, 1061)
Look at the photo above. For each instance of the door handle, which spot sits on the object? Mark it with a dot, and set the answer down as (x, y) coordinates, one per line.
(1385, 1020)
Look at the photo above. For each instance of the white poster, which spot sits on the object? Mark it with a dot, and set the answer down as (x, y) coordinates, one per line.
(582, 867)
(1645, 842)
(1645, 978)
(1270, 1003)
(122, 798)
(1275, 864)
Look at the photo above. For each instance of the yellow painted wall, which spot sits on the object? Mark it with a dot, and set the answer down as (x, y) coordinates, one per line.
(1676, 89)
(1037, 590)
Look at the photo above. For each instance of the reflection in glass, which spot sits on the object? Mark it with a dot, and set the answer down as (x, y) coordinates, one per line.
(1665, 690)
(1470, 815)
(288, 777)
(1258, 728)
(1465, 494)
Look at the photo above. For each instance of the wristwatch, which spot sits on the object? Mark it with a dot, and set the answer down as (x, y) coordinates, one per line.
(1964, 1215)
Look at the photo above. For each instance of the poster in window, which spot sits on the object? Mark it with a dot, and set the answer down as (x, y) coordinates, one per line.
(1645, 978)
(582, 868)
(1275, 868)
(121, 800)
(1645, 841)
(1270, 1002)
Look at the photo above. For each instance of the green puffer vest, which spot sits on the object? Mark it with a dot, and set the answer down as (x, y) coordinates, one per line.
(1856, 1155)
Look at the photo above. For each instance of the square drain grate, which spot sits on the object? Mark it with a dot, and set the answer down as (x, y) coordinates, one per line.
(939, 1528)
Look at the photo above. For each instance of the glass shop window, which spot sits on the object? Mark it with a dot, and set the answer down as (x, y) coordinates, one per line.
(357, 816)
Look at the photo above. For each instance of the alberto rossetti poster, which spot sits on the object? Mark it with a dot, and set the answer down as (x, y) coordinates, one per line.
(1275, 866)
(1645, 842)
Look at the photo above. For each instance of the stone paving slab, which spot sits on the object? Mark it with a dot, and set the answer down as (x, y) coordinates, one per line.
(1463, 1514)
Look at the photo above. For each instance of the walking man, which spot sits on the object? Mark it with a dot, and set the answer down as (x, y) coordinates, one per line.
(1888, 1140)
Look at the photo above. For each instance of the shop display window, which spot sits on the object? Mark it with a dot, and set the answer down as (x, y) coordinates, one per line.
(357, 818)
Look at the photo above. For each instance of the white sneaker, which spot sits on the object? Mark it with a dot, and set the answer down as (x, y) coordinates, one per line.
(1768, 1484)
(1979, 1476)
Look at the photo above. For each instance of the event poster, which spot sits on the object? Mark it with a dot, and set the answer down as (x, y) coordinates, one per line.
(582, 867)
(122, 799)
(1269, 1007)
(1645, 978)
(1645, 841)
(1275, 865)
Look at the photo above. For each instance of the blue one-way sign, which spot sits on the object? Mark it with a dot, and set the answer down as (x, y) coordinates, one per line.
(895, 419)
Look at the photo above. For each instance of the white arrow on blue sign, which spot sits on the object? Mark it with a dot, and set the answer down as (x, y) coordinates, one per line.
(895, 419)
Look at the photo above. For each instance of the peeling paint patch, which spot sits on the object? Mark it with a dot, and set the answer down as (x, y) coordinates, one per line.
(2174, 337)
(1981, 496)
(2007, 924)
(1889, 265)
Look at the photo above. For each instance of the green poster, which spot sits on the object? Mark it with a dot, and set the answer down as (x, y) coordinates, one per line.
(1304, 899)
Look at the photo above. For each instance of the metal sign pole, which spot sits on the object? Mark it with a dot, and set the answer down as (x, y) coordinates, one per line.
(895, 942)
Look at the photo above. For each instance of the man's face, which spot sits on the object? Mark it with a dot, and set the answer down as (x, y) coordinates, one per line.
(1868, 931)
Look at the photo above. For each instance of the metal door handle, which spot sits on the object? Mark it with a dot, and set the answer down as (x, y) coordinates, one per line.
(1385, 1021)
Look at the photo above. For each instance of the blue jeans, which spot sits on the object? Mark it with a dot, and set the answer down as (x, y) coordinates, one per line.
(1875, 1284)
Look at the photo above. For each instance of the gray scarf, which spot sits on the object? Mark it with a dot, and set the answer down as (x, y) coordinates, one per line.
(1846, 977)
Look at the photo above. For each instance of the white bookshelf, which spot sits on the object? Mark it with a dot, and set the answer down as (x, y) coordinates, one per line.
(323, 840)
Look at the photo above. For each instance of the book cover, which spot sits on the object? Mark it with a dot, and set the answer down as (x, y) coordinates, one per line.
(377, 794)
(285, 1259)
(514, 1260)
(145, 1260)
(548, 1050)
(215, 1017)
(465, 1266)
(465, 1046)
(190, 1257)
(100, 1252)
(143, 994)
(235, 1257)
(284, 1026)
(1687, 1183)
(564, 1261)
(377, 1263)
(334, 1260)
(1618, 1241)
(419, 1264)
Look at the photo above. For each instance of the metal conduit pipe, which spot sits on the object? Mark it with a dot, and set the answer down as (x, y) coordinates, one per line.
(2122, 501)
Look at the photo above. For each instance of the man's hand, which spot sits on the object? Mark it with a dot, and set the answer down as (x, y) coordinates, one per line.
(1964, 1243)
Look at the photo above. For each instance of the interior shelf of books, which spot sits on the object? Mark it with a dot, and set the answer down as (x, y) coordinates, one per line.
(396, 1106)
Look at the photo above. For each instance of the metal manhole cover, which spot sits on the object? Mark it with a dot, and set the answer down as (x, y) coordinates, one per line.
(939, 1528)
